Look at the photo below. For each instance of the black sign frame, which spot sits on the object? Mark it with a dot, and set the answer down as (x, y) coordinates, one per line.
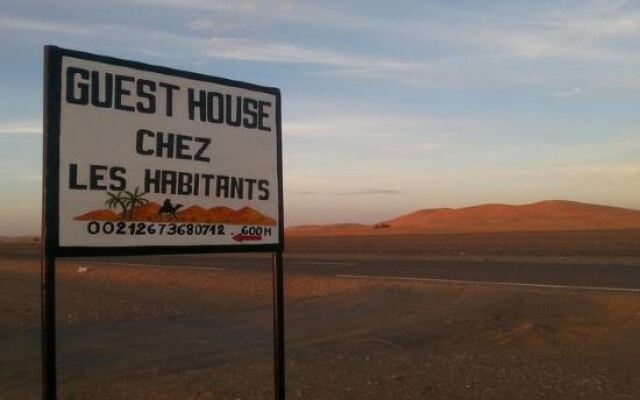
(51, 160)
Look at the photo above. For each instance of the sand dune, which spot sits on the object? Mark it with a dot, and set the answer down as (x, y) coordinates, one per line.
(194, 213)
(19, 239)
(328, 229)
(551, 215)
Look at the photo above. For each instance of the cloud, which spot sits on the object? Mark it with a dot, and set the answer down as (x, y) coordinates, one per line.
(483, 44)
(22, 178)
(305, 128)
(571, 30)
(533, 31)
(155, 43)
(567, 93)
(203, 5)
(367, 192)
(208, 25)
(269, 12)
(446, 47)
(27, 127)
(337, 123)
(250, 50)
(486, 44)
(302, 192)
(34, 25)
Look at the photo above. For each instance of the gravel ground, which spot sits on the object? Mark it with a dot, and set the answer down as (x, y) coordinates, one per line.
(152, 333)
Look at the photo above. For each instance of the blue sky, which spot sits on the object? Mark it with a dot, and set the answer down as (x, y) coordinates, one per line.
(388, 106)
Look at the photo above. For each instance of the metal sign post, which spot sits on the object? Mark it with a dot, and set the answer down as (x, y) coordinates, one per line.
(48, 328)
(278, 326)
(142, 159)
(51, 143)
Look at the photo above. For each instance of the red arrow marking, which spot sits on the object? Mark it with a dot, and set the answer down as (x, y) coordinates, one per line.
(245, 238)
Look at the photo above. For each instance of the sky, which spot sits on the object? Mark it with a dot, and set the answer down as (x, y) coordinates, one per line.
(388, 107)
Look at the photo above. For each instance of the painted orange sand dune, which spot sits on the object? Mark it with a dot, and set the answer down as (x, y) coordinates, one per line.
(216, 215)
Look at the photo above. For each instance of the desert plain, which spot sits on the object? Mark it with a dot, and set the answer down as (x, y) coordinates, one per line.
(533, 315)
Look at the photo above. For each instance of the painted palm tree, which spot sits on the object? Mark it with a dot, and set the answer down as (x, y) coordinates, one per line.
(134, 200)
(116, 200)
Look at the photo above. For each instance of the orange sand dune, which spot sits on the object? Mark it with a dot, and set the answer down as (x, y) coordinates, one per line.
(191, 214)
(195, 213)
(221, 214)
(246, 215)
(99, 215)
(253, 217)
(551, 215)
(147, 212)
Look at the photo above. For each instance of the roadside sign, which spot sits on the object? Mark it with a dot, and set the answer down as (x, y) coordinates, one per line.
(143, 159)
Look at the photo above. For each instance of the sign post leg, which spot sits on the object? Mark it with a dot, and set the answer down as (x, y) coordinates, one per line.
(278, 325)
(48, 316)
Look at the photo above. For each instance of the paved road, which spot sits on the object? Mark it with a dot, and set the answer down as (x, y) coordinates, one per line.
(584, 275)
(610, 275)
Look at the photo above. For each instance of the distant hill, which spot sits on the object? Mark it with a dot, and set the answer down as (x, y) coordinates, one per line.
(550, 215)
(19, 239)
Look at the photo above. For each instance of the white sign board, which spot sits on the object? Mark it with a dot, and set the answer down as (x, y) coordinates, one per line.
(145, 159)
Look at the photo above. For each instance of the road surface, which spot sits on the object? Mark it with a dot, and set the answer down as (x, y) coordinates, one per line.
(588, 273)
